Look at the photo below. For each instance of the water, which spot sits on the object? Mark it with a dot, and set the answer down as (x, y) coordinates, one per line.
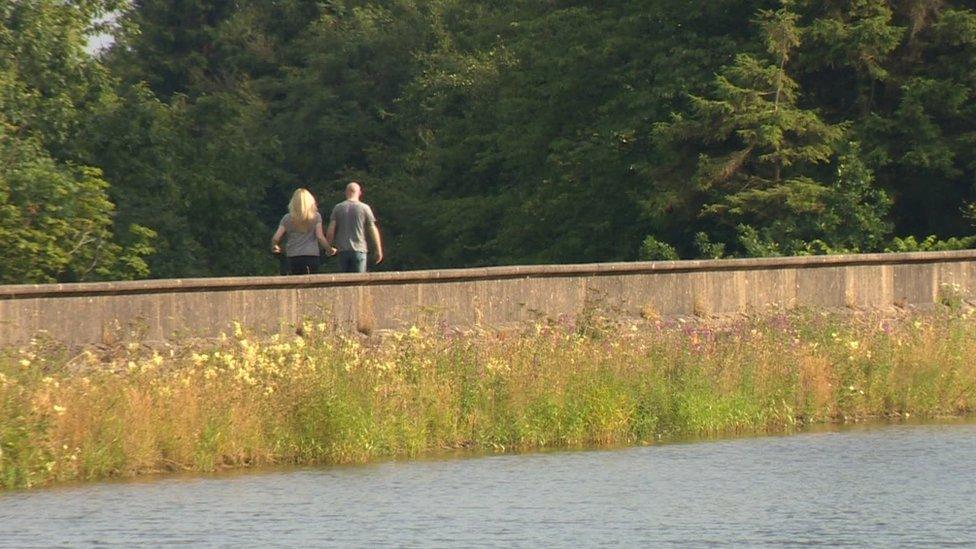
(903, 485)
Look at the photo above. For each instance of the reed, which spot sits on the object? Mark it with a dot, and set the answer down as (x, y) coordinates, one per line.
(326, 397)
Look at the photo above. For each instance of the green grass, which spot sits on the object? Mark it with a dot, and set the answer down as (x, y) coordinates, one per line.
(328, 398)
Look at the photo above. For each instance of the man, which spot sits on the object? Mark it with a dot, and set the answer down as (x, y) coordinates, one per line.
(348, 225)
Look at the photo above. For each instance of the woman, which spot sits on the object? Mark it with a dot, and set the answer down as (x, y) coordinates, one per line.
(303, 225)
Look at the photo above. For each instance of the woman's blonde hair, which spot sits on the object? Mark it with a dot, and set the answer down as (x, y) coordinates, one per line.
(302, 209)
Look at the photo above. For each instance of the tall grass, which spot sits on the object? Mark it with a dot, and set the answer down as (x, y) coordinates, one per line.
(327, 397)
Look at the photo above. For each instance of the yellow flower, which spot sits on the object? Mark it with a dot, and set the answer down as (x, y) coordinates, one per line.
(59, 409)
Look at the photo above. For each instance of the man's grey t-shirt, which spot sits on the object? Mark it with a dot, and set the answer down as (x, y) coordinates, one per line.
(300, 242)
(351, 219)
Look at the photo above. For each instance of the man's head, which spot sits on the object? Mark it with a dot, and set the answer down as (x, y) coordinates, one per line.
(353, 190)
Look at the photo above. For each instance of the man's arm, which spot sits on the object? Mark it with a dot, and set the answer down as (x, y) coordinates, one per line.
(375, 232)
(330, 232)
(275, 248)
(324, 242)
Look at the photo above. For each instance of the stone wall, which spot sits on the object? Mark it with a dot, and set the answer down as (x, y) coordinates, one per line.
(160, 309)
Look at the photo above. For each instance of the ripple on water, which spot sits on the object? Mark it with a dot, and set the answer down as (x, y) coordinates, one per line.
(904, 485)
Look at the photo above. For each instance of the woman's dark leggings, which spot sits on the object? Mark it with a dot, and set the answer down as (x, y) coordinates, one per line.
(303, 264)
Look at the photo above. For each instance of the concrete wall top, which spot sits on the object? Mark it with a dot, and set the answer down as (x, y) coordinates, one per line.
(28, 291)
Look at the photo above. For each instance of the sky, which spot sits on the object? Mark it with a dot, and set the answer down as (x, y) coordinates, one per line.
(98, 42)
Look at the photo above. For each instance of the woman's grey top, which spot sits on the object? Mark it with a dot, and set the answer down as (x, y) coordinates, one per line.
(300, 242)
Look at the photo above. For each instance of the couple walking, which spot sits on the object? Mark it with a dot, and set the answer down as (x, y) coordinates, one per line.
(349, 223)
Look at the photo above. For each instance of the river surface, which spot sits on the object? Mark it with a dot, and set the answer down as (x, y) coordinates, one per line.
(887, 486)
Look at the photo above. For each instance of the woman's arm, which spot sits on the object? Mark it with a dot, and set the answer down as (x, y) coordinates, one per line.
(275, 248)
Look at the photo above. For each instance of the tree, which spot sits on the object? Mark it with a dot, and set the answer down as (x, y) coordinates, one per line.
(189, 145)
(57, 222)
(759, 151)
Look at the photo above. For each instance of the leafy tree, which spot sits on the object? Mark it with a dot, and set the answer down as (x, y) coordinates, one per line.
(57, 222)
(923, 137)
(653, 249)
(499, 132)
(757, 169)
(189, 147)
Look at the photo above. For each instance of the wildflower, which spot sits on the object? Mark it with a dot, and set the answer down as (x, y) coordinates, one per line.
(854, 344)
(496, 365)
(320, 326)
(60, 410)
(24, 362)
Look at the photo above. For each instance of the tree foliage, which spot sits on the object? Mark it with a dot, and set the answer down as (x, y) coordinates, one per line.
(57, 221)
(486, 132)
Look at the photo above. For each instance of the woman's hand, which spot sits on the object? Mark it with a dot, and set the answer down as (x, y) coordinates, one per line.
(275, 249)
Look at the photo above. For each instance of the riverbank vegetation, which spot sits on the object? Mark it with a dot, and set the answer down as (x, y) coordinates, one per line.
(485, 133)
(325, 397)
